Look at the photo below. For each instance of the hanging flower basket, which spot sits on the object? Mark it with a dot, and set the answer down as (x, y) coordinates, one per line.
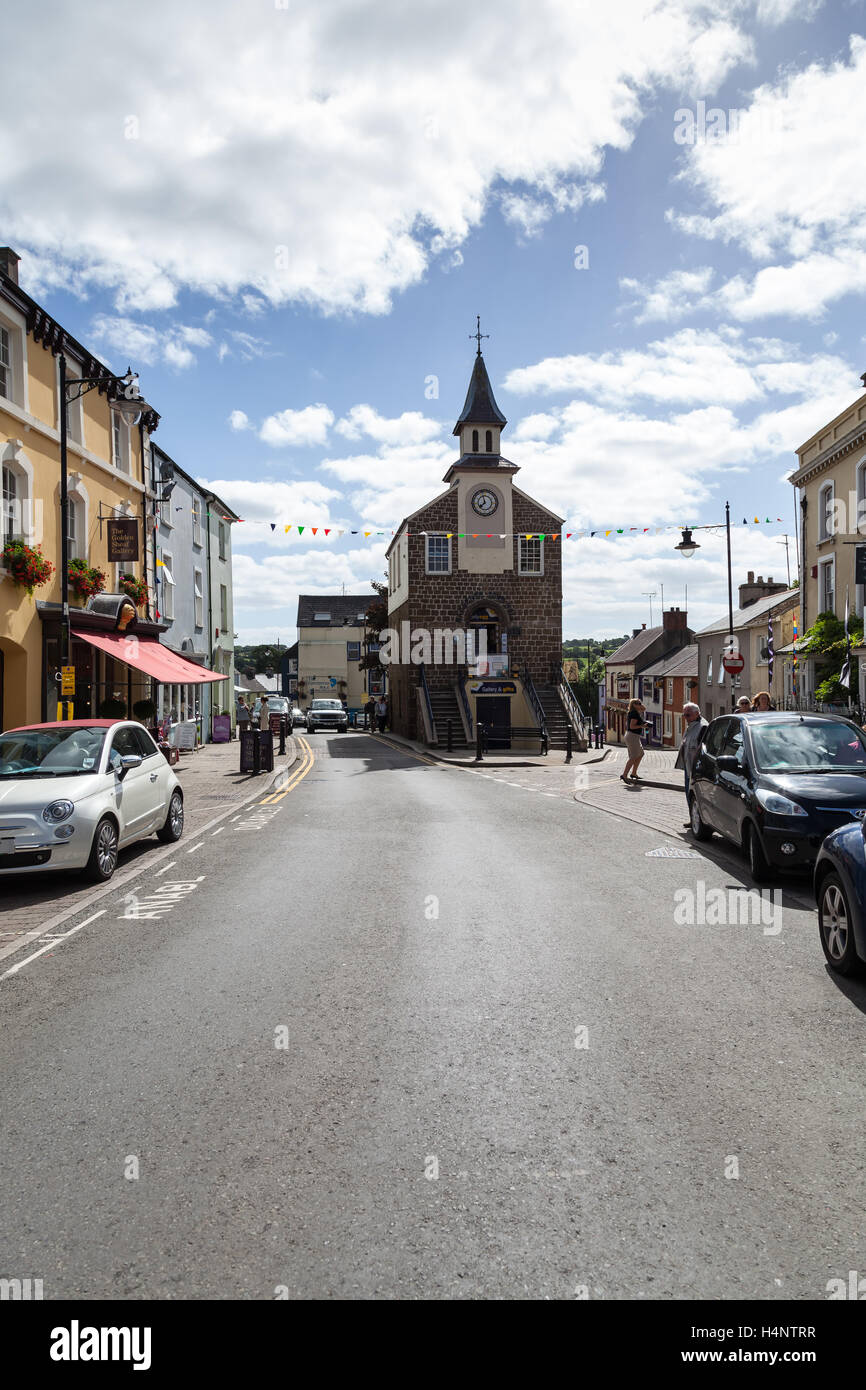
(27, 567)
(135, 589)
(83, 580)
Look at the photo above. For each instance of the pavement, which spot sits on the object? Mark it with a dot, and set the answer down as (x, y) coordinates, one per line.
(393, 1031)
(212, 787)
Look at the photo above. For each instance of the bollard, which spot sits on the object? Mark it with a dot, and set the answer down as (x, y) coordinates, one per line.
(568, 743)
(282, 733)
(544, 742)
(479, 742)
(450, 737)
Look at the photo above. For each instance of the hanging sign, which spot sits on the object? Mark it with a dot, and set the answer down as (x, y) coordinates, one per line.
(122, 539)
(493, 688)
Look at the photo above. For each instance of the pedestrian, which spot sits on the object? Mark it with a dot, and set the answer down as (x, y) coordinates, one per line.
(264, 714)
(369, 713)
(243, 713)
(690, 747)
(635, 723)
(744, 705)
(382, 713)
(762, 704)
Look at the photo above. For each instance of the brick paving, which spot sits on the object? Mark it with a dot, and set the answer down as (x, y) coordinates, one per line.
(211, 785)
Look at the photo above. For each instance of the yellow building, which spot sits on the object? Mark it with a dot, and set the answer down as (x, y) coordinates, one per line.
(831, 483)
(330, 649)
(108, 472)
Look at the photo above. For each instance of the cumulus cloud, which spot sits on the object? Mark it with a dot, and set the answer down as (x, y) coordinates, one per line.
(297, 427)
(238, 420)
(312, 153)
(671, 297)
(142, 342)
(409, 428)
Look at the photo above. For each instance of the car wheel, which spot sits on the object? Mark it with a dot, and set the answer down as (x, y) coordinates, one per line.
(699, 829)
(103, 852)
(834, 924)
(758, 866)
(173, 827)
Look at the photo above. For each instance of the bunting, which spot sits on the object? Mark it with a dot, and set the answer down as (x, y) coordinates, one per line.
(582, 534)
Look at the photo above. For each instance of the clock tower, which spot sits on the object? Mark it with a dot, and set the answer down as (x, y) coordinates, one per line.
(483, 479)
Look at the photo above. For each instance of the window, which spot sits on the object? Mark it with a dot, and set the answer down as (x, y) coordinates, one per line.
(11, 506)
(670, 694)
(669, 728)
(125, 744)
(165, 512)
(6, 376)
(475, 441)
(73, 529)
(722, 672)
(732, 746)
(321, 617)
(715, 737)
(530, 555)
(353, 651)
(74, 425)
(762, 649)
(167, 587)
(827, 586)
(145, 743)
(222, 534)
(197, 530)
(438, 555)
(120, 441)
(224, 608)
(488, 441)
(199, 598)
(826, 527)
(709, 668)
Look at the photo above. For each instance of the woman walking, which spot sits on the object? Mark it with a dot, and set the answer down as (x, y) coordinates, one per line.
(634, 727)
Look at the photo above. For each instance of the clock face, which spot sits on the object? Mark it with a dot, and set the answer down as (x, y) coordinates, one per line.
(484, 502)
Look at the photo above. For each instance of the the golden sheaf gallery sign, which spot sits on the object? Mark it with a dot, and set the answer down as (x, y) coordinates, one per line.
(122, 539)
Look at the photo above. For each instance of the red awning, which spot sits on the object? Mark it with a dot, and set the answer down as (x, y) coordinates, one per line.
(147, 655)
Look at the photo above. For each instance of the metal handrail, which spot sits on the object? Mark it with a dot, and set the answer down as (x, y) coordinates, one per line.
(464, 702)
(572, 704)
(425, 695)
(532, 697)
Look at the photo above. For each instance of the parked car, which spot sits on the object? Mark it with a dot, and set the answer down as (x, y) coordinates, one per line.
(777, 783)
(72, 795)
(278, 704)
(840, 892)
(298, 717)
(327, 714)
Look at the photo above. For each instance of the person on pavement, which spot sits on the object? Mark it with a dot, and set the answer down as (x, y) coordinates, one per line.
(243, 715)
(690, 747)
(744, 705)
(762, 704)
(634, 727)
(381, 713)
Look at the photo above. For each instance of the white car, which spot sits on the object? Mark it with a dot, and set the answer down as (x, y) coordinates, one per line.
(72, 795)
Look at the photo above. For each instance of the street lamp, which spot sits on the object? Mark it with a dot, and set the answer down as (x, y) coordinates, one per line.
(128, 401)
(687, 547)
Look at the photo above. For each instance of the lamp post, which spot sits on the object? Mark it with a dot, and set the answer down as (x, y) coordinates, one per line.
(687, 547)
(125, 398)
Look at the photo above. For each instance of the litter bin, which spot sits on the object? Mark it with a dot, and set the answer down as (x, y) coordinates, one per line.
(266, 751)
(249, 749)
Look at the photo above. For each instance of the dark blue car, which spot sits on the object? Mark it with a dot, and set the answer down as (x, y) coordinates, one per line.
(840, 891)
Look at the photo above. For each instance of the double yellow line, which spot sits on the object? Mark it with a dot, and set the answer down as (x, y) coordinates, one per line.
(297, 776)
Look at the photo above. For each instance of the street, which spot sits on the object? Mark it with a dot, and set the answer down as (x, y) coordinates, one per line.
(399, 1032)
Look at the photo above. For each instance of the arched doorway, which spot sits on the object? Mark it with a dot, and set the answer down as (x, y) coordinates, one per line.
(485, 623)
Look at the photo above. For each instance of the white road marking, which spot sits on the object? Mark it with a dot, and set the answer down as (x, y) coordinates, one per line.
(218, 832)
(195, 847)
(13, 969)
(166, 869)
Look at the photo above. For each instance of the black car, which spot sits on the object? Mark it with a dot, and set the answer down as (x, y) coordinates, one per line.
(840, 892)
(777, 783)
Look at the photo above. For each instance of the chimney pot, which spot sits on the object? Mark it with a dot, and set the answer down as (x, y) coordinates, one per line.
(750, 577)
(9, 263)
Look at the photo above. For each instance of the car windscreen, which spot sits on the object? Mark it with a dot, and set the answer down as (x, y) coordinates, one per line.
(50, 752)
(812, 745)
(327, 704)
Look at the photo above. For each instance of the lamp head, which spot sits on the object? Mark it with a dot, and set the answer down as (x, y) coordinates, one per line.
(687, 545)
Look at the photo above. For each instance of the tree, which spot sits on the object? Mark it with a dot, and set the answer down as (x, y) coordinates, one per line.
(377, 618)
(825, 640)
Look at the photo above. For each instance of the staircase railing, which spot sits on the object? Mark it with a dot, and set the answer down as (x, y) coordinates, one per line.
(426, 707)
(533, 701)
(463, 703)
(571, 704)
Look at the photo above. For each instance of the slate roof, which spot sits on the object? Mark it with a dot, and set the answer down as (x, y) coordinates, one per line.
(681, 663)
(479, 407)
(340, 607)
(754, 613)
(631, 650)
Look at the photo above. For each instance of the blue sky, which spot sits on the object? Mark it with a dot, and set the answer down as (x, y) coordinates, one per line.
(286, 219)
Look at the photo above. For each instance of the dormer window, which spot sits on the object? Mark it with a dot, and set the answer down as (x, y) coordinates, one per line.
(475, 441)
(488, 442)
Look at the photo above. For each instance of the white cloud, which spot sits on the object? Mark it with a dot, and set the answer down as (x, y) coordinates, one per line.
(341, 138)
(294, 427)
(144, 343)
(409, 428)
(238, 420)
(672, 297)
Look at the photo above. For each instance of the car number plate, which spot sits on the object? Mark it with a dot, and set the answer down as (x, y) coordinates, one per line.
(7, 845)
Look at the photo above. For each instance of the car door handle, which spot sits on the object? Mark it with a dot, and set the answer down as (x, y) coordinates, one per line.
(153, 776)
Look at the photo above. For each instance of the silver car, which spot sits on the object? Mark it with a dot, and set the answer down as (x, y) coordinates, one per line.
(72, 795)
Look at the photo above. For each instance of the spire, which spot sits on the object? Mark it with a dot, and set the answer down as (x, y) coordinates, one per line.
(479, 407)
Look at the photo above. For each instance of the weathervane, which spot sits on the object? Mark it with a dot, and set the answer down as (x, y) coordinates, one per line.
(478, 335)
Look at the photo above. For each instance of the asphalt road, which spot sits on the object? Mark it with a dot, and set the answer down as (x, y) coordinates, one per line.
(348, 1061)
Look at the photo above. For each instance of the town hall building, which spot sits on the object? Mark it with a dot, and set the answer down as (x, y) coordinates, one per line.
(448, 576)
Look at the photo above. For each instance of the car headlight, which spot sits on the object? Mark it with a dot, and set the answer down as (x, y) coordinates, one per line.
(58, 811)
(778, 805)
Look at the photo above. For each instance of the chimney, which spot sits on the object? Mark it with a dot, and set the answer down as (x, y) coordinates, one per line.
(753, 589)
(674, 620)
(9, 263)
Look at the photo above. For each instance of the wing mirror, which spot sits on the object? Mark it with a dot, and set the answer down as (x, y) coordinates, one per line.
(122, 763)
(729, 765)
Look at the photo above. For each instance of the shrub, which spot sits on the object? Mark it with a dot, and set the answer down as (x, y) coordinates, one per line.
(112, 709)
(135, 589)
(85, 581)
(27, 567)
